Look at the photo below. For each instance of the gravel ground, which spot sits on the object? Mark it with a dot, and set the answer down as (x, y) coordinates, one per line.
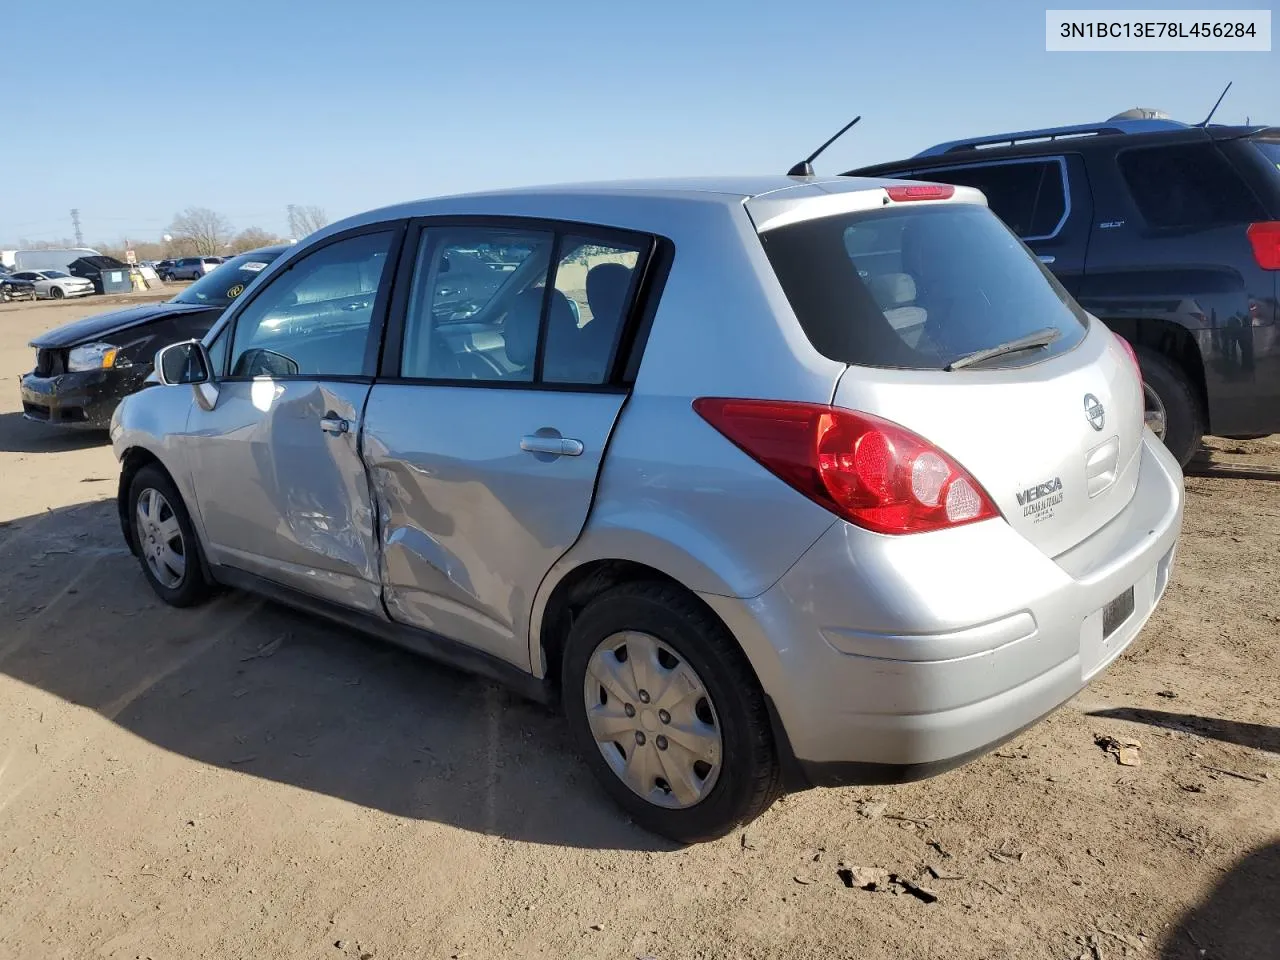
(241, 781)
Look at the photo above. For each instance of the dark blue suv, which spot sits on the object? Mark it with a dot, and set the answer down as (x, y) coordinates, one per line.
(1169, 233)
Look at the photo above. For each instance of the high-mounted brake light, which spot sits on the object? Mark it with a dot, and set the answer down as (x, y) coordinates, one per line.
(1265, 238)
(868, 471)
(927, 191)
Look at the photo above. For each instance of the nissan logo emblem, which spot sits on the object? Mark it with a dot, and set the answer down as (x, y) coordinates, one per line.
(1094, 411)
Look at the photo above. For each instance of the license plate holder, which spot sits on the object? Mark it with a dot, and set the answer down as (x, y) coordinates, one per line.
(1115, 613)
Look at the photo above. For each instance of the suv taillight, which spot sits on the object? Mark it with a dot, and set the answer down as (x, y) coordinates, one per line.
(868, 471)
(1265, 238)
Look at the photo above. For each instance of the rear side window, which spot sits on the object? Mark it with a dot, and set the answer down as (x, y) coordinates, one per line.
(517, 305)
(1028, 195)
(1190, 185)
(1271, 150)
(918, 287)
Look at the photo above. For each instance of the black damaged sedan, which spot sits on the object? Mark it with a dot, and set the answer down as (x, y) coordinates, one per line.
(85, 368)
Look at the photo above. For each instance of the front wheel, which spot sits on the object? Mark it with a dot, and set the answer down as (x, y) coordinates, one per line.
(1172, 408)
(57, 293)
(666, 711)
(165, 540)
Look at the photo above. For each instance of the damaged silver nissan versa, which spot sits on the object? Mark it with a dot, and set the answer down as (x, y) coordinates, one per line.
(769, 483)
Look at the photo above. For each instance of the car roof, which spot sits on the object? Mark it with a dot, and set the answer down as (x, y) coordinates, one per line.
(597, 202)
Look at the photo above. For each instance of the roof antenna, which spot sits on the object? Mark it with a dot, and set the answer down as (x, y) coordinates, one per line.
(805, 167)
(1205, 121)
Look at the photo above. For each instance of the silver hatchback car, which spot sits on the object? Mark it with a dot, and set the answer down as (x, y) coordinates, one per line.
(771, 483)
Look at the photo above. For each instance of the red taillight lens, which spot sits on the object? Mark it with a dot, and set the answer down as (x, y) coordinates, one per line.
(868, 471)
(927, 191)
(1133, 356)
(1265, 238)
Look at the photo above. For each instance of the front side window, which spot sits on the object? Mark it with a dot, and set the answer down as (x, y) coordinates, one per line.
(1187, 185)
(918, 287)
(314, 318)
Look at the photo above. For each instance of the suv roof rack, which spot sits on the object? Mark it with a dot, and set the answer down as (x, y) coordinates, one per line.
(1145, 125)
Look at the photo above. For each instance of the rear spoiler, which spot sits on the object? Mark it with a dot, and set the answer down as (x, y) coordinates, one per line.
(1242, 133)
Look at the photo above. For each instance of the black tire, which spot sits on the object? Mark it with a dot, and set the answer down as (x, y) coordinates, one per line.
(749, 778)
(192, 588)
(1184, 421)
(56, 293)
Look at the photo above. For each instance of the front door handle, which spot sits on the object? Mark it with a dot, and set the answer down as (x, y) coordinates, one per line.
(333, 424)
(557, 446)
(1047, 258)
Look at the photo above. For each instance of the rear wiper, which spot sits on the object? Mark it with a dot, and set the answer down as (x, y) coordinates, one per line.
(1039, 338)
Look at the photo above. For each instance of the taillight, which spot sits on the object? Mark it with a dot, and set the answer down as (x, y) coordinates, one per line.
(1265, 238)
(925, 191)
(868, 471)
(1133, 356)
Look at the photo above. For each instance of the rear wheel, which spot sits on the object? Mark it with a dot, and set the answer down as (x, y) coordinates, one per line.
(668, 714)
(1172, 409)
(165, 539)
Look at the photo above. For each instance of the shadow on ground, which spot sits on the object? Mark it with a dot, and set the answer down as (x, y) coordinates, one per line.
(1240, 918)
(20, 435)
(1256, 735)
(246, 685)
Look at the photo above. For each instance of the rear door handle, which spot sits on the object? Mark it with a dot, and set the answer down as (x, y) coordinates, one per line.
(334, 425)
(557, 446)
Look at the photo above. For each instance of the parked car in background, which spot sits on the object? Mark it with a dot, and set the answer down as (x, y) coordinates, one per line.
(11, 288)
(55, 284)
(162, 267)
(191, 268)
(753, 529)
(1169, 233)
(84, 368)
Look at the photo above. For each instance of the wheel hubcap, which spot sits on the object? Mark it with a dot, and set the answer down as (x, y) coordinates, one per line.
(160, 539)
(1153, 413)
(653, 720)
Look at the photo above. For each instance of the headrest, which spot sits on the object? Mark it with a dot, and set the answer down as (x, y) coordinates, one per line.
(607, 287)
(520, 329)
(892, 290)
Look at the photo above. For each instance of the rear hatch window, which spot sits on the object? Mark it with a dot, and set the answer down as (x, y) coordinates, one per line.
(1271, 150)
(919, 288)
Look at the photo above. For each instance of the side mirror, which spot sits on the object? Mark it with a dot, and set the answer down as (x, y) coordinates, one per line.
(257, 362)
(186, 362)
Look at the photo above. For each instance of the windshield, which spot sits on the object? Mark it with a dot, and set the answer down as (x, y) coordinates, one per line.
(918, 288)
(224, 284)
(55, 274)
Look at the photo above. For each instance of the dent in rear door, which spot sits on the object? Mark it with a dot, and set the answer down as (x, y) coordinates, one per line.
(469, 521)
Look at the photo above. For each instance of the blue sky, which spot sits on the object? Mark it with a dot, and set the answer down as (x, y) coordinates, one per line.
(246, 107)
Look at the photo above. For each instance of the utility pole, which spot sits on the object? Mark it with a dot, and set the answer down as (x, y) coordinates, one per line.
(293, 220)
(75, 222)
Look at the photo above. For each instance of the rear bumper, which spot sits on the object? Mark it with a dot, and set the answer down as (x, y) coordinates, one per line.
(78, 400)
(891, 659)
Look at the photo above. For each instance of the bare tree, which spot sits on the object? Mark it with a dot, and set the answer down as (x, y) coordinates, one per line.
(201, 230)
(251, 238)
(304, 220)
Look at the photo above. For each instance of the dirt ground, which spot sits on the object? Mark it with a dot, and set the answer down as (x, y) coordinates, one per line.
(239, 781)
